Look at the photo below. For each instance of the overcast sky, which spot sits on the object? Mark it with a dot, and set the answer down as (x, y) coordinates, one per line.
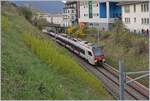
(46, 6)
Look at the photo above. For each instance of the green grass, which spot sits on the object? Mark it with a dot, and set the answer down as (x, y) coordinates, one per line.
(34, 68)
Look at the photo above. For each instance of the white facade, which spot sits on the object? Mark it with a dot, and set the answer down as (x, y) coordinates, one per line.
(70, 13)
(52, 18)
(57, 19)
(96, 21)
(136, 17)
(69, 16)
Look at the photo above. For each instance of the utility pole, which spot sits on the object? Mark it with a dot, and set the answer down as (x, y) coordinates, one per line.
(121, 80)
(98, 35)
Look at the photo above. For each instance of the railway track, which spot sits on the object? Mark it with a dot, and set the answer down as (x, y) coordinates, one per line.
(136, 86)
(110, 78)
(111, 82)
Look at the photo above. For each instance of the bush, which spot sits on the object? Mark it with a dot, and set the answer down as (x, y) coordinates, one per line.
(27, 13)
(71, 30)
(81, 32)
(6, 24)
(92, 30)
(105, 35)
(140, 46)
(40, 23)
(118, 26)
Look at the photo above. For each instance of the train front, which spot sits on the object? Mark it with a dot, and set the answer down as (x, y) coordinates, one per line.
(99, 55)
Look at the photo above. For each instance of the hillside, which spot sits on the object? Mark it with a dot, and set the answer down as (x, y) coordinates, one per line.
(33, 67)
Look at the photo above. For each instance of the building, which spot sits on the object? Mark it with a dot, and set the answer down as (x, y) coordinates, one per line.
(99, 13)
(136, 16)
(56, 18)
(71, 13)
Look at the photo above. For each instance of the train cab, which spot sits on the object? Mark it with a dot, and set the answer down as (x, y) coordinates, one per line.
(98, 55)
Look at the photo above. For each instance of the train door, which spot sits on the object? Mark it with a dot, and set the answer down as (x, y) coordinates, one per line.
(90, 57)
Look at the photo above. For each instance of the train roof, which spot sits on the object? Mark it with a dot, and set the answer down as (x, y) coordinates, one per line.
(79, 42)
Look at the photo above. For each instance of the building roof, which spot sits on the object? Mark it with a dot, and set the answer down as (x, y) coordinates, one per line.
(132, 2)
(56, 14)
(112, 0)
(69, 8)
(70, 2)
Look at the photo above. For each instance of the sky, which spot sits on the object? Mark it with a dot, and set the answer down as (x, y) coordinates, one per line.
(46, 6)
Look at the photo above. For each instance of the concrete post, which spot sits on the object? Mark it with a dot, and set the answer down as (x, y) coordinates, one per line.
(121, 80)
(107, 6)
(108, 10)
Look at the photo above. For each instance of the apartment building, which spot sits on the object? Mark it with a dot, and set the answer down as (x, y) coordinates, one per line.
(70, 13)
(56, 18)
(99, 13)
(45, 16)
(136, 16)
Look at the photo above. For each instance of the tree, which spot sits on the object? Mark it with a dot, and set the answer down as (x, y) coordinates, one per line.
(40, 23)
(81, 32)
(92, 30)
(27, 13)
(71, 30)
(118, 26)
(121, 35)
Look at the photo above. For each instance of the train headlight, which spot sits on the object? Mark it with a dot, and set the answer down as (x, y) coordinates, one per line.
(95, 61)
(103, 60)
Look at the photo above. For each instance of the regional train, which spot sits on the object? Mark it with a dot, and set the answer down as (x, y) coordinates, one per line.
(88, 51)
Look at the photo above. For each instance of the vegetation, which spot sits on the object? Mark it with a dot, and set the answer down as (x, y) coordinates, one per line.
(40, 23)
(31, 16)
(77, 31)
(120, 44)
(27, 13)
(33, 67)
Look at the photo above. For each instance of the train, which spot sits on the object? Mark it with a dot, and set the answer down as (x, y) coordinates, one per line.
(88, 51)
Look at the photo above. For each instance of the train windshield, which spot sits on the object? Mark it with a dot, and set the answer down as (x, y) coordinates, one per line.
(97, 51)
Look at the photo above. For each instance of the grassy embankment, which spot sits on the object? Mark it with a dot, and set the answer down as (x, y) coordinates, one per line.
(34, 68)
(133, 49)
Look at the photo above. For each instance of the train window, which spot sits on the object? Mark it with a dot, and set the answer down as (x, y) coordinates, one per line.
(89, 53)
(82, 51)
(97, 51)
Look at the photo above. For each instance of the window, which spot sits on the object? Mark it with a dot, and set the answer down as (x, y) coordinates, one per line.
(97, 51)
(147, 7)
(134, 8)
(127, 9)
(144, 7)
(72, 11)
(89, 53)
(142, 21)
(134, 31)
(90, 9)
(127, 20)
(145, 20)
(134, 19)
(82, 51)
